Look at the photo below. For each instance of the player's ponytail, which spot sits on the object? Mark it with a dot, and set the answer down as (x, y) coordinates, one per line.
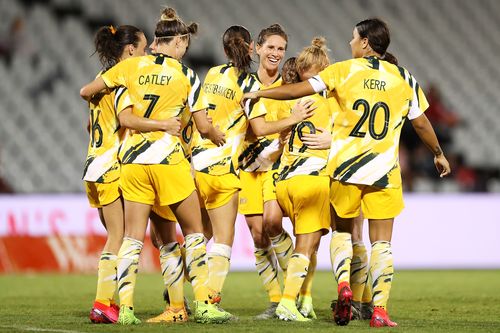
(110, 42)
(236, 41)
(379, 37)
(315, 54)
(389, 57)
(289, 72)
(171, 25)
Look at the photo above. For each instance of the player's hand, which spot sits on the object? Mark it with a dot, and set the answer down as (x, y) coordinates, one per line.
(302, 110)
(442, 165)
(322, 139)
(217, 136)
(172, 126)
(250, 98)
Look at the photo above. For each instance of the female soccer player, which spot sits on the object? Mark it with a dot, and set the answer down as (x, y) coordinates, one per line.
(102, 168)
(155, 170)
(258, 164)
(303, 185)
(376, 97)
(216, 167)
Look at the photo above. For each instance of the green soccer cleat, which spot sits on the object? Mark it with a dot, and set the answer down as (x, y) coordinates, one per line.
(287, 311)
(127, 316)
(208, 313)
(306, 307)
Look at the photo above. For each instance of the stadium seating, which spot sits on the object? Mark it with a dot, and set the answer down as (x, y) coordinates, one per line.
(43, 142)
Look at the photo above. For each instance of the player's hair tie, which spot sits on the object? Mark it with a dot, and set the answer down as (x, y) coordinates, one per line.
(112, 29)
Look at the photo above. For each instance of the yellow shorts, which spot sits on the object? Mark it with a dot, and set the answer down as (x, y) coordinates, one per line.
(216, 191)
(157, 184)
(256, 188)
(165, 213)
(305, 199)
(102, 194)
(376, 203)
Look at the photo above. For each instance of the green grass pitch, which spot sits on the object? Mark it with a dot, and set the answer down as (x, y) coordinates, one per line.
(421, 301)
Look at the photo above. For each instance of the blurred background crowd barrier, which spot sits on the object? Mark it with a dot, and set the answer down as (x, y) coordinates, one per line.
(63, 234)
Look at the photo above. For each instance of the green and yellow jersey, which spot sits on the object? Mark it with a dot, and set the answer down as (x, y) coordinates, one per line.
(262, 153)
(221, 95)
(297, 158)
(102, 164)
(376, 98)
(160, 87)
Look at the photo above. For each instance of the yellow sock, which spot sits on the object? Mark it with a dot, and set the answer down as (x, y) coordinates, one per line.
(128, 262)
(183, 253)
(359, 270)
(265, 262)
(218, 266)
(341, 255)
(381, 271)
(367, 291)
(306, 289)
(283, 248)
(173, 273)
(196, 265)
(106, 278)
(297, 271)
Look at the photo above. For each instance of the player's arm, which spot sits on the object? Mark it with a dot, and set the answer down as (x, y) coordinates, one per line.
(128, 119)
(426, 133)
(206, 129)
(300, 112)
(92, 88)
(284, 92)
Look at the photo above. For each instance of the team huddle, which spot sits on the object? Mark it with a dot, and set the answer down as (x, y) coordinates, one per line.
(317, 142)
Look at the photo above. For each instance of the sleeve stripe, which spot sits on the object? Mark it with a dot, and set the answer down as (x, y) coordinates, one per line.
(118, 95)
(317, 83)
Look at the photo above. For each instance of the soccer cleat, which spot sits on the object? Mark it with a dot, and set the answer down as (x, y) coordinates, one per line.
(103, 314)
(342, 313)
(306, 307)
(268, 313)
(170, 315)
(127, 316)
(166, 298)
(287, 311)
(366, 311)
(380, 318)
(356, 311)
(208, 313)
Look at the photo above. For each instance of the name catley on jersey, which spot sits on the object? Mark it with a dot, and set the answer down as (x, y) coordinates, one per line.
(159, 87)
(376, 97)
(297, 159)
(262, 153)
(221, 94)
(102, 164)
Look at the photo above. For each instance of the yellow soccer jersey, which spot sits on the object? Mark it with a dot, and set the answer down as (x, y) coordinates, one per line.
(262, 153)
(160, 87)
(297, 159)
(221, 95)
(102, 164)
(376, 98)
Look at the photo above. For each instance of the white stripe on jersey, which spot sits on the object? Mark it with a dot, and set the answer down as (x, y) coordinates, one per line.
(101, 164)
(157, 152)
(312, 164)
(194, 88)
(266, 158)
(206, 158)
